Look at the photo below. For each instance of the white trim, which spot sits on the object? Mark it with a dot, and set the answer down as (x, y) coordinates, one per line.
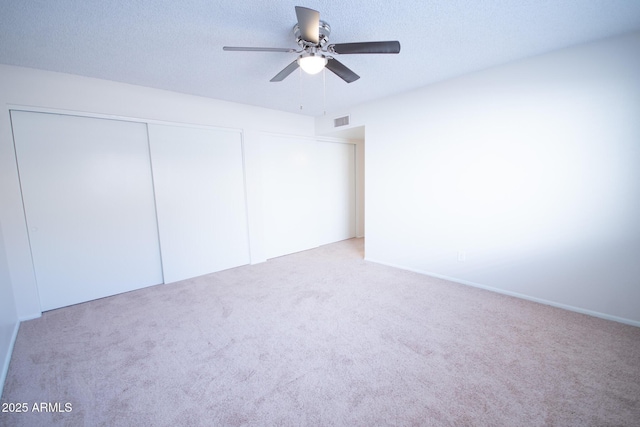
(514, 294)
(155, 202)
(7, 357)
(46, 110)
(246, 198)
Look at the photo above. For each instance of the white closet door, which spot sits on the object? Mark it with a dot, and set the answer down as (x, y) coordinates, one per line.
(289, 191)
(199, 186)
(336, 192)
(88, 198)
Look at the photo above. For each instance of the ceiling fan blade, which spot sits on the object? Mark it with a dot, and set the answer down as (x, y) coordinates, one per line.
(284, 73)
(309, 24)
(366, 47)
(340, 70)
(258, 49)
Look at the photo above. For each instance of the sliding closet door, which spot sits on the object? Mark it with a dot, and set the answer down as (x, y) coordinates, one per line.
(289, 194)
(336, 192)
(88, 198)
(199, 186)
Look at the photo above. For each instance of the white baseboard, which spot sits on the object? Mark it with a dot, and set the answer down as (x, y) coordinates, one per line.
(30, 317)
(7, 357)
(514, 294)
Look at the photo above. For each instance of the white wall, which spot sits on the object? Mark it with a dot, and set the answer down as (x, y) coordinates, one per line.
(8, 315)
(35, 89)
(360, 201)
(531, 169)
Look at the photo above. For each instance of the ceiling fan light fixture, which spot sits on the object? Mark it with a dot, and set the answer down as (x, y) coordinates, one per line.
(312, 63)
(315, 54)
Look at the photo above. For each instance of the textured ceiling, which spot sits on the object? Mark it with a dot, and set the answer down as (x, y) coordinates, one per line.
(177, 45)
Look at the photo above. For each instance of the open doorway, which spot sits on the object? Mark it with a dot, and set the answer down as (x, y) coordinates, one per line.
(356, 135)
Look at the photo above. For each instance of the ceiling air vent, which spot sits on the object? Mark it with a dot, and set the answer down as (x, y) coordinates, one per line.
(340, 121)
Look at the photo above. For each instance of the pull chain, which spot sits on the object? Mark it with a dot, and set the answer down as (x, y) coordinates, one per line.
(300, 86)
(324, 91)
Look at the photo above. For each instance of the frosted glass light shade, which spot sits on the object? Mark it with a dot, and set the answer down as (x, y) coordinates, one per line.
(312, 64)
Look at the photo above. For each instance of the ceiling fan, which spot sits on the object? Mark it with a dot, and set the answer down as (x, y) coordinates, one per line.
(315, 53)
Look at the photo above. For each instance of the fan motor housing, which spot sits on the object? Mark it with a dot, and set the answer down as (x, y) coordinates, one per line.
(323, 35)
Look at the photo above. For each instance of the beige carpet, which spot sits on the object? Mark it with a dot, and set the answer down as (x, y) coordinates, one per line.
(322, 338)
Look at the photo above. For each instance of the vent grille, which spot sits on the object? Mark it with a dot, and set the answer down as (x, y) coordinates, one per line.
(340, 121)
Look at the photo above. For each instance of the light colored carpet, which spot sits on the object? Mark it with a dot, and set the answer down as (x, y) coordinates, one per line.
(323, 338)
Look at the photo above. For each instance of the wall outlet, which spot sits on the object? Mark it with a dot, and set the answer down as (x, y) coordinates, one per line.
(462, 256)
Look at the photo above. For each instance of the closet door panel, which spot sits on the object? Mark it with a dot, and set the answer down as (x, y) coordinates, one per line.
(88, 198)
(200, 197)
(336, 192)
(289, 195)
